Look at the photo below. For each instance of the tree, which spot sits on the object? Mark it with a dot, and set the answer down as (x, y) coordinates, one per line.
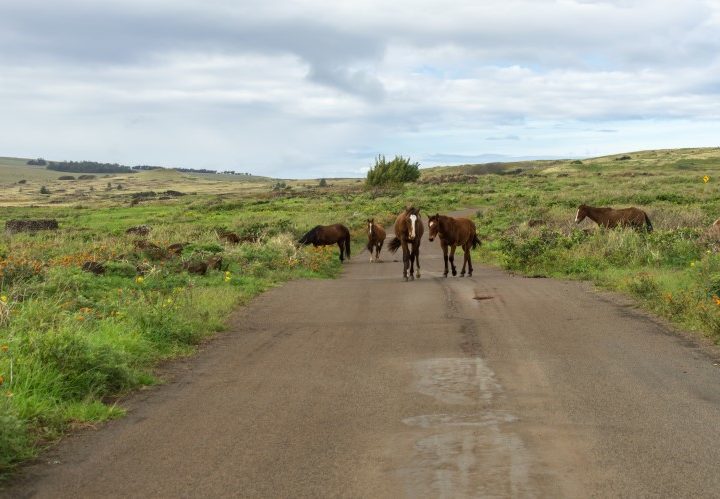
(323, 183)
(397, 171)
(44, 190)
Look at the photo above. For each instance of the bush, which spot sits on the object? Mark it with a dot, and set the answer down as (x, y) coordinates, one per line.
(397, 171)
(44, 190)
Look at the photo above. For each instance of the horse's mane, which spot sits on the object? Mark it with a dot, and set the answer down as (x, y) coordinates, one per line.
(411, 210)
(311, 236)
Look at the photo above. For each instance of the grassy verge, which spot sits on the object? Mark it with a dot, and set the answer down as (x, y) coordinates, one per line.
(69, 338)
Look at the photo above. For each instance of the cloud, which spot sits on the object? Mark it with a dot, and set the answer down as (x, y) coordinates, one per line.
(319, 88)
(504, 137)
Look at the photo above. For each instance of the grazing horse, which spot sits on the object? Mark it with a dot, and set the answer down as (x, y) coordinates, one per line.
(376, 238)
(408, 233)
(454, 232)
(325, 235)
(609, 217)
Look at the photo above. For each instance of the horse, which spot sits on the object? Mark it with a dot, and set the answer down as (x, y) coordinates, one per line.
(454, 232)
(376, 238)
(609, 217)
(408, 233)
(325, 235)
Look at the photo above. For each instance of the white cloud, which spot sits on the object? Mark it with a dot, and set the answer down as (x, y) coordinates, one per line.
(317, 88)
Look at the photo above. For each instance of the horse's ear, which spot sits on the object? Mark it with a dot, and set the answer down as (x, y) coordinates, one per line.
(437, 215)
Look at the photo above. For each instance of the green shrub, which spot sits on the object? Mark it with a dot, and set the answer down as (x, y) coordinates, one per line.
(397, 171)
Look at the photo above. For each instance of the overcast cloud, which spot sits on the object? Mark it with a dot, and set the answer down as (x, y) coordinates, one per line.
(315, 88)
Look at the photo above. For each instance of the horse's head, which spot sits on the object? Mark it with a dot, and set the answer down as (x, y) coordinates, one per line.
(370, 222)
(310, 237)
(434, 224)
(411, 220)
(581, 213)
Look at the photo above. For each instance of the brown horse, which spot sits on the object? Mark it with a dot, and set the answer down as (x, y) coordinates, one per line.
(454, 232)
(376, 238)
(325, 235)
(408, 233)
(609, 217)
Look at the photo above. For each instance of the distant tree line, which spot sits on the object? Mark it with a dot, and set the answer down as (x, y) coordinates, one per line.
(147, 167)
(87, 167)
(95, 167)
(194, 170)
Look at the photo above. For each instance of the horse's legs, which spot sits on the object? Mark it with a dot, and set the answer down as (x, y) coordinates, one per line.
(406, 257)
(378, 247)
(445, 256)
(466, 252)
(452, 260)
(340, 245)
(417, 259)
(412, 261)
(469, 254)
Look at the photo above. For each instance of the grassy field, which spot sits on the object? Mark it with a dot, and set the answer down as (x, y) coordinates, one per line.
(73, 340)
(20, 185)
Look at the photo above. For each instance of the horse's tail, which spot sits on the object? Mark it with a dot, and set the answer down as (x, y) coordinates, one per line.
(393, 244)
(347, 245)
(648, 224)
(476, 241)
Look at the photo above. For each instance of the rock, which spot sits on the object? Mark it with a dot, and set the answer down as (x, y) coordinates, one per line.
(199, 268)
(175, 249)
(13, 226)
(230, 237)
(140, 230)
(94, 267)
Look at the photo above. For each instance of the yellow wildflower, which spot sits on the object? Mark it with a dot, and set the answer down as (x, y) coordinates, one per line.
(139, 279)
(706, 179)
(4, 299)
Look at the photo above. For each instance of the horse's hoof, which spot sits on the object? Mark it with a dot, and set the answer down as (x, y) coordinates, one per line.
(412, 277)
(406, 279)
(462, 274)
(418, 276)
(454, 273)
(445, 275)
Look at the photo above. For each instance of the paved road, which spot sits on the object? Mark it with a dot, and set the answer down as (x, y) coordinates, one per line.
(368, 386)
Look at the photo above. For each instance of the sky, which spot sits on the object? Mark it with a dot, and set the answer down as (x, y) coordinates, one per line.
(319, 88)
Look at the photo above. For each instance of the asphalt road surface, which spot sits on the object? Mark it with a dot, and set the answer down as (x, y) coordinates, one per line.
(368, 386)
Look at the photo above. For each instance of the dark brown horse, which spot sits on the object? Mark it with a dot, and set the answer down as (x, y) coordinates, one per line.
(454, 232)
(609, 217)
(408, 233)
(376, 238)
(325, 235)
